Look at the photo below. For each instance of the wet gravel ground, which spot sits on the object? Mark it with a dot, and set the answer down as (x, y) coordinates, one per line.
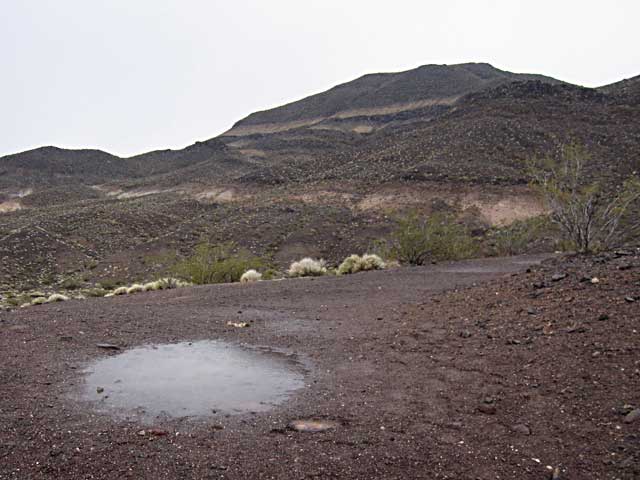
(474, 370)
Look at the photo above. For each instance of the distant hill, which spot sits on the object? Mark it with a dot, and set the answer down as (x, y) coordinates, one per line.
(382, 94)
(628, 89)
(469, 122)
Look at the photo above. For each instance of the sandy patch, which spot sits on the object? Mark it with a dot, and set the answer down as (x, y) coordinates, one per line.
(357, 112)
(10, 206)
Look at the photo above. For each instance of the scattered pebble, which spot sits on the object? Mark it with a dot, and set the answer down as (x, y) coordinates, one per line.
(632, 416)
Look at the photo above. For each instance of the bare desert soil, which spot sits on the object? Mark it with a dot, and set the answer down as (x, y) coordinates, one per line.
(476, 370)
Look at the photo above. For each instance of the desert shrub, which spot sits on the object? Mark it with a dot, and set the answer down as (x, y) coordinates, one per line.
(57, 297)
(271, 274)
(250, 276)
(17, 300)
(307, 267)
(71, 283)
(121, 291)
(111, 283)
(589, 216)
(356, 263)
(168, 283)
(95, 292)
(518, 237)
(135, 288)
(151, 286)
(351, 264)
(417, 240)
(372, 261)
(39, 301)
(216, 264)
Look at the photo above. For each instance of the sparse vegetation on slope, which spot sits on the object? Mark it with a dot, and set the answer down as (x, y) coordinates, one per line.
(590, 216)
(418, 240)
(217, 264)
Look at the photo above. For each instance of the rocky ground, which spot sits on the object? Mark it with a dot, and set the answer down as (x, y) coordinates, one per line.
(477, 370)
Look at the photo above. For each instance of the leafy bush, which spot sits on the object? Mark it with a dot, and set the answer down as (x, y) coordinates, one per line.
(216, 264)
(519, 236)
(111, 283)
(71, 283)
(307, 267)
(438, 237)
(589, 217)
(356, 263)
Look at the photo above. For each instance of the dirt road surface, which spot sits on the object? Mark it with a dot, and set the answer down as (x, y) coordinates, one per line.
(473, 370)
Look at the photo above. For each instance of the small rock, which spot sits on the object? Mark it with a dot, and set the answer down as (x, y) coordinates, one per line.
(312, 426)
(238, 324)
(522, 429)
(465, 333)
(487, 409)
(532, 311)
(595, 280)
(632, 416)
(99, 390)
(604, 317)
(107, 346)
(558, 276)
(629, 299)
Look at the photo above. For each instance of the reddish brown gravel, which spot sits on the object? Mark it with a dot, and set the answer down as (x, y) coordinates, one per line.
(473, 370)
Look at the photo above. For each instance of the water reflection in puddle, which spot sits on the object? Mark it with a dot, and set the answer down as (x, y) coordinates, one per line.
(191, 379)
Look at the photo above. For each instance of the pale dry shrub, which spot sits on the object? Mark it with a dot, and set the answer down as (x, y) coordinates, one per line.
(307, 267)
(135, 288)
(57, 297)
(251, 276)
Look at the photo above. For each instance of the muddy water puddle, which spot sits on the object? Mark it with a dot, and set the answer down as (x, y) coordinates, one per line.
(191, 380)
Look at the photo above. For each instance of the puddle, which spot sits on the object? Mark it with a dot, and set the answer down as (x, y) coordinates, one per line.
(191, 380)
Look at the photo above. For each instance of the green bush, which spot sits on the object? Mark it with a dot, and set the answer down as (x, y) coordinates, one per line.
(438, 237)
(216, 264)
(111, 283)
(519, 236)
(590, 215)
(71, 283)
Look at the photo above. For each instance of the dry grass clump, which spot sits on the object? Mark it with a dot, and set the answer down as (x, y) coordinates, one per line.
(135, 288)
(357, 263)
(121, 291)
(57, 297)
(307, 267)
(251, 276)
(166, 283)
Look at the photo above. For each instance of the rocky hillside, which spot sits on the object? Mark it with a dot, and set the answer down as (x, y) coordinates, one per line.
(375, 99)
(323, 176)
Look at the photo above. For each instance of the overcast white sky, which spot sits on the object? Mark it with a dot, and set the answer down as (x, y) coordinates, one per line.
(128, 76)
